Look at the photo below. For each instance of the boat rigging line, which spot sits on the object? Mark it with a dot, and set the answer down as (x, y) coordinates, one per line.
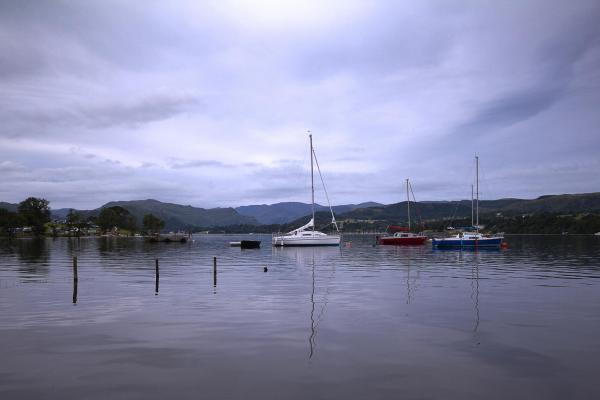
(416, 205)
(333, 221)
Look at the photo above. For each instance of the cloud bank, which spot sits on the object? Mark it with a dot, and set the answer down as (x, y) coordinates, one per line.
(209, 103)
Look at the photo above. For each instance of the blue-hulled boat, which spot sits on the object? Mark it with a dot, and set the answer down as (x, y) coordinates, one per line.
(471, 238)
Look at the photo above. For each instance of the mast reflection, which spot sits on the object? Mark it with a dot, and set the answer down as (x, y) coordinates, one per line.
(475, 291)
(314, 322)
(313, 332)
(75, 289)
(309, 256)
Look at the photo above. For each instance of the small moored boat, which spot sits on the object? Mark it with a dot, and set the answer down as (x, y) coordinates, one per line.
(402, 236)
(250, 244)
(246, 244)
(472, 239)
(403, 239)
(304, 237)
(468, 240)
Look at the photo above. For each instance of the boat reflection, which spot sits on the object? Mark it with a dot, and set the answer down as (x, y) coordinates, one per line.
(472, 260)
(75, 283)
(475, 291)
(411, 283)
(321, 261)
(313, 326)
(471, 249)
(306, 255)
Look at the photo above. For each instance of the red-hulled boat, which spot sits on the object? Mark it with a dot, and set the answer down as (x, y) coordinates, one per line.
(401, 236)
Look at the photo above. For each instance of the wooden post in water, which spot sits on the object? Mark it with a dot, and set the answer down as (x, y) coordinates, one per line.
(75, 279)
(157, 277)
(215, 271)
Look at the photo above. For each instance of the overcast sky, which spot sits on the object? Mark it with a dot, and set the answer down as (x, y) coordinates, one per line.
(208, 103)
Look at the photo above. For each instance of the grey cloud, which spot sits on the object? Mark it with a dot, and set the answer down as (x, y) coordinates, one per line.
(199, 164)
(82, 152)
(116, 33)
(348, 159)
(111, 161)
(24, 60)
(273, 192)
(561, 51)
(387, 39)
(128, 114)
(89, 186)
(511, 109)
(553, 65)
(10, 166)
(147, 164)
(142, 111)
(73, 174)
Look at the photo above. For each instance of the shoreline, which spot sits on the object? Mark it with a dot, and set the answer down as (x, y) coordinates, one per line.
(256, 234)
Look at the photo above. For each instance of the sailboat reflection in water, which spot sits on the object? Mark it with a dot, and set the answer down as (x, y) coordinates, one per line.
(315, 318)
(321, 261)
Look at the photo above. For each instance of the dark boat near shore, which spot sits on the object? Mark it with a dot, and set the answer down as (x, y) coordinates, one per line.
(250, 244)
(246, 244)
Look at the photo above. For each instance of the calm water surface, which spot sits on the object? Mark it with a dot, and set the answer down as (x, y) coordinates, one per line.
(357, 322)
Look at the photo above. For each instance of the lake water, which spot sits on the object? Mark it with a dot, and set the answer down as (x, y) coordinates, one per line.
(356, 322)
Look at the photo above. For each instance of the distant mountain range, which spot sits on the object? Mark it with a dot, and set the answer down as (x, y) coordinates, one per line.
(178, 216)
(564, 203)
(8, 206)
(282, 213)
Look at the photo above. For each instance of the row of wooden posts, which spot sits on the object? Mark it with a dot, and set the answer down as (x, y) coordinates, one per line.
(157, 276)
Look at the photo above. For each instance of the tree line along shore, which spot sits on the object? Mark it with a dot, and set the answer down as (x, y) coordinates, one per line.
(33, 218)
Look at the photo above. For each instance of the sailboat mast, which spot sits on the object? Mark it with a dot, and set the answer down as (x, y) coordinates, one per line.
(312, 182)
(407, 204)
(477, 191)
(472, 206)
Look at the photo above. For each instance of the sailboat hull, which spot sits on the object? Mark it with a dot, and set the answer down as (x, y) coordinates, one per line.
(403, 241)
(467, 243)
(290, 240)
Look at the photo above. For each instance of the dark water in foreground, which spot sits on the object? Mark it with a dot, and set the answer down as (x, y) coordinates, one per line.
(351, 323)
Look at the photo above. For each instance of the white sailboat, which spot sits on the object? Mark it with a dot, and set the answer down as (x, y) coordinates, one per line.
(304, 236)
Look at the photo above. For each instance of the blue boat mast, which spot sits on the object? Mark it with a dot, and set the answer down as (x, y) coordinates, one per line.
(477, 191)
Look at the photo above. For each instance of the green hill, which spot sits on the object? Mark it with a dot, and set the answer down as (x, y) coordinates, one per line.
(428, 210)
(9, 206)
(178, 216)
(285, 212)
(291, 215)
(566, 203)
